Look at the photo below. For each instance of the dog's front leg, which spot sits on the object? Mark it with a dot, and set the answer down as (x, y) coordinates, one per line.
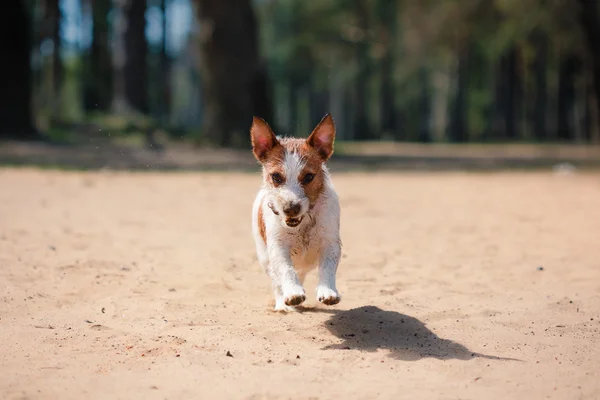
(291, 289)
(326, 290)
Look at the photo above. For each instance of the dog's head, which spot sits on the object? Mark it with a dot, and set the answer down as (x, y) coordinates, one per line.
(293, 169)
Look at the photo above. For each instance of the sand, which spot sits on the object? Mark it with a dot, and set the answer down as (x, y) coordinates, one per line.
(121, 285)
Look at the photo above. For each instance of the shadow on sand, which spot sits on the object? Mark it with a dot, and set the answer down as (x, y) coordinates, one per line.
(370, 328)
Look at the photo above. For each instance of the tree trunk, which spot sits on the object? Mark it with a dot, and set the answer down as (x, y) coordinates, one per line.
(292, 102)
(119, 56)
(590, 21)
(54, 15)
(361, 119)
(99, 81)
(337, 96)
(498, 120)
(386, 91)
(165, 67)
(229, 64)
(319, 101)
(593, 118)
(566, 97)
(387, 19)
(129, 57)
(439, 103)
(540, 62)
(513, 95)
(425, 107)
(135, 69)
(15, 74)
(458, 128)
(261, 95)
(507, 107)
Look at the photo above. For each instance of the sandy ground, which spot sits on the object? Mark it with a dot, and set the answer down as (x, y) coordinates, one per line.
(456, 285)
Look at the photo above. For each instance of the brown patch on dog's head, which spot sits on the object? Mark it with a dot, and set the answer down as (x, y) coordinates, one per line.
(268, 151)
(312, 176)
(315, 151)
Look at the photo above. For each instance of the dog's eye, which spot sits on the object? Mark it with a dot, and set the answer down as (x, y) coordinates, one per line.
(277, 178)
(308, 178)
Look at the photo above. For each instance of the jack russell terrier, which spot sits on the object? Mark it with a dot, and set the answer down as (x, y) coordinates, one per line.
(296, 213)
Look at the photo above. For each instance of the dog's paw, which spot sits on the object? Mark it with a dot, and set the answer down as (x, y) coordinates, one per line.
(294, 296)
(294, 299)
(328, 296)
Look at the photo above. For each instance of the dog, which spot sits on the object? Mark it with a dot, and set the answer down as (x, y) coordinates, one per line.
(296, 213)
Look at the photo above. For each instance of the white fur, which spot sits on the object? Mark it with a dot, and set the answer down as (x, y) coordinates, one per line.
(291, 191)
(290, 253)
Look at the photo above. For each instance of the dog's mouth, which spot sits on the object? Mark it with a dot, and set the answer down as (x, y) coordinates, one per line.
(293, 222)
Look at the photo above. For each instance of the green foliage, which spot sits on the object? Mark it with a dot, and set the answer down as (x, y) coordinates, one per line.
(363, 59)
(311, 41)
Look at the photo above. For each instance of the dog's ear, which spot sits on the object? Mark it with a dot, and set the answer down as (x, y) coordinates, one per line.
(262, 137)
(322, 137)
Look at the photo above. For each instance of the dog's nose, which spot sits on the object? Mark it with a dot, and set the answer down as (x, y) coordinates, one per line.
(292, 209)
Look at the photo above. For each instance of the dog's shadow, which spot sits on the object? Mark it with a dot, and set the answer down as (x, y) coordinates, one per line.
(370, 328)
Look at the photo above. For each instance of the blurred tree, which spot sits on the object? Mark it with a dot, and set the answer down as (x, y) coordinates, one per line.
(98, 84)
(230, 66)
(458, 129)
(387, 13)
(15, 73)
(261, 93)
(54, 17)
(388, 69)
(362, 126)
(130, 57)
(136, 48)
(590, 20)
(510, 87)
(165, 64)
(569, 67)
(539, 41)
(424, 135)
